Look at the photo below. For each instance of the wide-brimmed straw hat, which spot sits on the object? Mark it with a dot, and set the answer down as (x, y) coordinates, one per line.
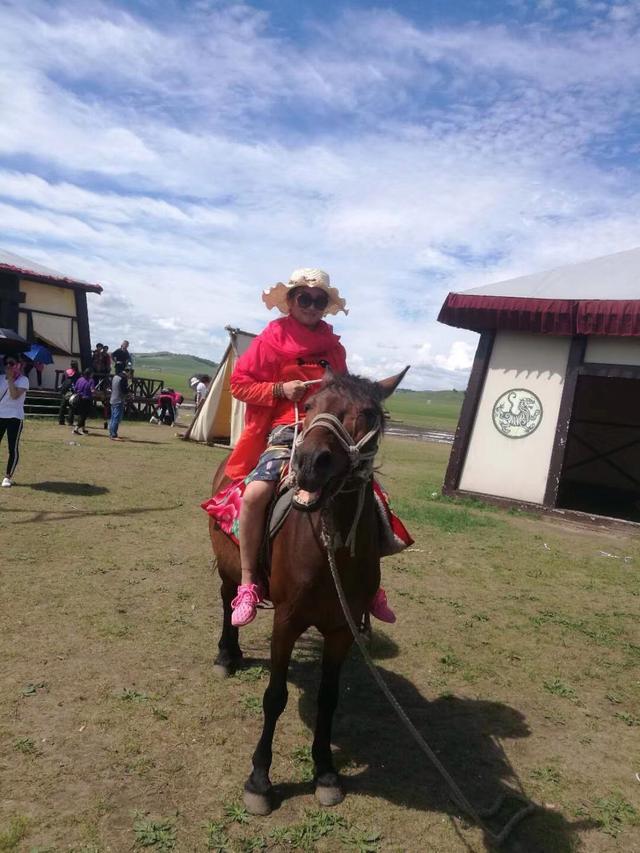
(276, 296)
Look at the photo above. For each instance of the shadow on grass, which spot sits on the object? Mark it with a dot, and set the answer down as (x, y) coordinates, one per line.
(44, 515)
(125, 440)
(383, 760)
(62, 488)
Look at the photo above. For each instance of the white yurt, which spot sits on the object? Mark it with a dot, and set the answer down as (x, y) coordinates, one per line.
(551, 416)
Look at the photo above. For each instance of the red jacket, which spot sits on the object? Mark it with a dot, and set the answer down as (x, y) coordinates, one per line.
(285, 350)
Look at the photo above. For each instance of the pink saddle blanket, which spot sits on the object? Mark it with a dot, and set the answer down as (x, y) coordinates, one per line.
(225, 505)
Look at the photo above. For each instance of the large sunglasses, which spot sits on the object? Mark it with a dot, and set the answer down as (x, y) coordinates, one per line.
(305, 300)
(10, 363)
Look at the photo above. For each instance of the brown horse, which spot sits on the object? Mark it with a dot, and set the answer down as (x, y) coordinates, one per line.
(333, 463)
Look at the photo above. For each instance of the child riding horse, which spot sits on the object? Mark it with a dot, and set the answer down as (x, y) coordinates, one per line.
(333, 467)
(274, 378)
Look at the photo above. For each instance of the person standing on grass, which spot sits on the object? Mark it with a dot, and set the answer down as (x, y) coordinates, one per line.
(178, 400)
(84, 390)
(13, 388)
(71, 375)
(103, 390)
(119, 392)
(202, 388)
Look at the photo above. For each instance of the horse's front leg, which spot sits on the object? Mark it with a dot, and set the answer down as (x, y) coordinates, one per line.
(329, 791)
(257, 789)
(229, 651)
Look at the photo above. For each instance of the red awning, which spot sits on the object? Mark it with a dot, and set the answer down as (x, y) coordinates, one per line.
(609, 317)
(543, 316)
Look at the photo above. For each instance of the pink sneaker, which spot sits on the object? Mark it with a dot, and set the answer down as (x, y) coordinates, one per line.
(244, 604)
(380, 609)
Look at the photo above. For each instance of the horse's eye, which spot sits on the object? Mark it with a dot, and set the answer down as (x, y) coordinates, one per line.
(307, 406)
(369, 414)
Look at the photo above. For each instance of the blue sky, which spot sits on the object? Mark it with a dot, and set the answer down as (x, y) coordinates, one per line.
(188, 154)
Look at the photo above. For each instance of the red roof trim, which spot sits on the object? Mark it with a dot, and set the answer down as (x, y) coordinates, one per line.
(609, 317)
(616, 317)
(60, 281)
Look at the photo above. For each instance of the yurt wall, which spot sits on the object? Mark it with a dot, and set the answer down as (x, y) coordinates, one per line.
(517, 465)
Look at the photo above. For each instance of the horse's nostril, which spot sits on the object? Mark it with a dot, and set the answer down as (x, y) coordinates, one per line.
(323, 459)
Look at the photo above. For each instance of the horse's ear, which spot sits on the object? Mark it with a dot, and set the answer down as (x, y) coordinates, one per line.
(389, 385)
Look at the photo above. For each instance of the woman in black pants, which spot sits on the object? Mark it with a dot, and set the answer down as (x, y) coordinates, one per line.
(85, 389)
(13, 386)
(66, 390)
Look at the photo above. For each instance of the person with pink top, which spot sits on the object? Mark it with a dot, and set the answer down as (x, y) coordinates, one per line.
(274, 377)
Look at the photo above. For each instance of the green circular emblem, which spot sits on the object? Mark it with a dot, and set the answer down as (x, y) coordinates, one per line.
(517, 413)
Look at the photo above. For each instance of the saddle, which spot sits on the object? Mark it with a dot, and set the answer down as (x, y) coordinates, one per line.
(224, 508)
(277, 513)
(278, 510)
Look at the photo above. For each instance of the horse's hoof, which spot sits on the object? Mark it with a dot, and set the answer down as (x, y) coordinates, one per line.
(257, 804)
(225, 666)
(221, 670)
(329, 795)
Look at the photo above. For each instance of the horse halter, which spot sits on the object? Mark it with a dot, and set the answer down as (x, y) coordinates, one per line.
(360, 462)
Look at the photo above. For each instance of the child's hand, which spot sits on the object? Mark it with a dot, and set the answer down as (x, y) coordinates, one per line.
(294, 390)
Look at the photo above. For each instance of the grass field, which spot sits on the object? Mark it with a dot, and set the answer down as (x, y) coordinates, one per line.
(439, 409)
(175, 370)
(515, 653)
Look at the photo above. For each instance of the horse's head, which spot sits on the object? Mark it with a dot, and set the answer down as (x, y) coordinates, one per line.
(342, 425)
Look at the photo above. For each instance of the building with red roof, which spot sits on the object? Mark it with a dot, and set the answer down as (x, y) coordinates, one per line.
(551, 417)
(46, 307)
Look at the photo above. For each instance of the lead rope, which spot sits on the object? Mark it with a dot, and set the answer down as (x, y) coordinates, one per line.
(297, 422)
(459, 798)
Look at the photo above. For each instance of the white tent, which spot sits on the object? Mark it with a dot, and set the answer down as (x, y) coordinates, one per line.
(220, 418)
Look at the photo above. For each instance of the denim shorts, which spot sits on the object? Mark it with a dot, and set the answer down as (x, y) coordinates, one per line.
(274, 459)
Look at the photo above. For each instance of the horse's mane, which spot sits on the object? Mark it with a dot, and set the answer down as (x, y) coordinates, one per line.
(359, 389)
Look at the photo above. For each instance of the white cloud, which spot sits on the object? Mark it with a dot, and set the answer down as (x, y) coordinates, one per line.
(187, 163)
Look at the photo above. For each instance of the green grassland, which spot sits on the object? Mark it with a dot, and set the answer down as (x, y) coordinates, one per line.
(515, 654)
(174, 369)
(439, 409)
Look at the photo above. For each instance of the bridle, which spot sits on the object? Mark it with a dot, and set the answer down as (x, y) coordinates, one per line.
(360, 467)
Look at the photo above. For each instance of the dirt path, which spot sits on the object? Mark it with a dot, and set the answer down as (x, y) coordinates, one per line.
(400, 430)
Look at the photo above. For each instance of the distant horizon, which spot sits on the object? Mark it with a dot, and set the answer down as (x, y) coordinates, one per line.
(211, 363)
